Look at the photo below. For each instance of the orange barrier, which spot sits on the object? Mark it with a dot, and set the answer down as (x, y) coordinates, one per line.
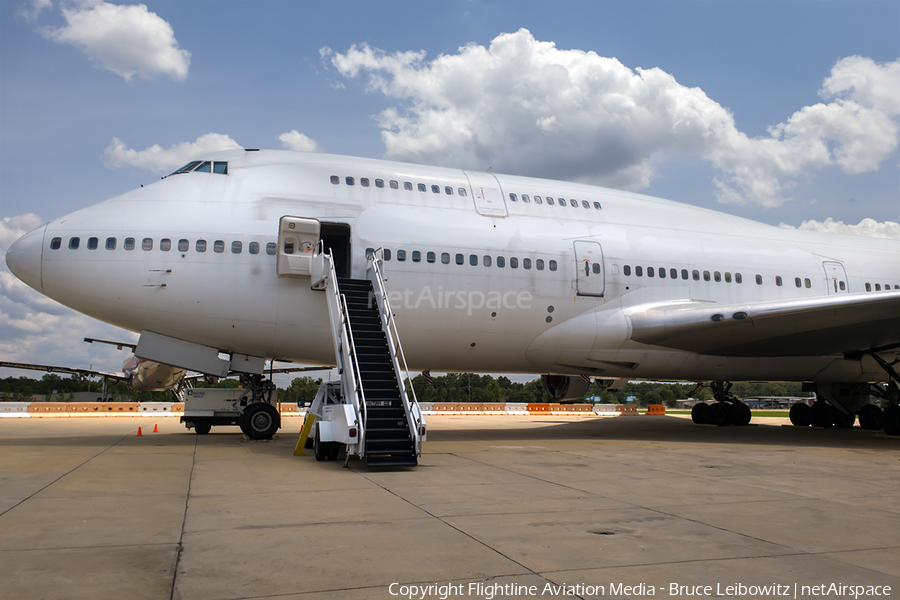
(287, 408)
(494, 408)
(568, 409)
(85, 409)
(48, 409)
(538, 408)
(656, 409)
(121, 409)
(471, 408)
(446, 407)
(178, 407)
(626, 410)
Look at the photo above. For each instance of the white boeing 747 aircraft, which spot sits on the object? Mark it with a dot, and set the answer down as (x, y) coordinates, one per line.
(484, 273)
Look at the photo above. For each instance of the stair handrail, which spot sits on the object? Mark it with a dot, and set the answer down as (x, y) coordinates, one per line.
(398, 358)
(342, 337)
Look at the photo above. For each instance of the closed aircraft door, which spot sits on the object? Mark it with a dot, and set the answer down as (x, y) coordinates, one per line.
(836, 278)
(589, 279)
(487, 195)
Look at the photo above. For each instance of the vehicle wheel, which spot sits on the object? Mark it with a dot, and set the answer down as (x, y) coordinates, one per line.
(260, 421)
(870, 417)
(800, 414)
(890, 419)
(698, 413)
(741, 413)
(320, 448)
(334, 448)
(202, 427)
(820, 414)
(841, 420)
(718, 414)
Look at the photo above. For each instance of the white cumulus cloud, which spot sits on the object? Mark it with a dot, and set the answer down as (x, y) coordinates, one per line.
(522, 105)
(294, 140)
(866, 227)
(33, 9)
(156, 158)
(128, 40)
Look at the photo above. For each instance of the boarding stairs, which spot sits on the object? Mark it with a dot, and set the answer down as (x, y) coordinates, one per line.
(377, 407)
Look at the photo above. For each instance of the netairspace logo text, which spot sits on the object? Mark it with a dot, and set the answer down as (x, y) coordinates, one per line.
(490, 591)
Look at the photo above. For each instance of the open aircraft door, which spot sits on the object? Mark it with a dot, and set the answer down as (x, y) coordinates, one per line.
(487, 194)
(836, 278)
(589, 280)
(297, 242)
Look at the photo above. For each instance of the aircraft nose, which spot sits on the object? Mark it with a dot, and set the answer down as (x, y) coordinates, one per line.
(24, 257)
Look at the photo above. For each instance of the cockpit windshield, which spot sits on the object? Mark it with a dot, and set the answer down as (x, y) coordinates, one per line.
(201, 166)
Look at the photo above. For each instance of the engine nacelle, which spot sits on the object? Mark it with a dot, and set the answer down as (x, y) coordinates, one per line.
(150, 376)
(563, 388)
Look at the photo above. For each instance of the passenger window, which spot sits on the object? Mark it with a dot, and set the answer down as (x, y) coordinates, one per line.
(695, 274)
(486, 260)
(435, 189)
(386, 252)
(573, 203)
(649, 271)
(537, 200)
(551, 201)
(877, 287)
(422, 187)
(460, 259)
(220, 168)
(552, 265)
(219, 246)
(401, 255)
(430, 257)
(129, 243)
(684, 274)
(165, 244)
(596, 268)
(539, 264)
(448, 190)
(56, 242)
(727, 277)
(200, 246)
(778, 280)
(407, 186)
(416, 256)
(236, 247)
(662, 273)
(74, 242)
(370, 253)
(562, 203)
(445, 258)
(844, 287)
(92, 243)
(706, 276)
(253, 248)
(501, 262)
(597, 205)
(513, 263)
(717, 276)
(738, 278)
(673, 274)
(868, 287)
(395, 185)
(289, 247)
(526, 263)
(585, 204)
(147, 244)
(462, 192)
(639, 271)
(526, 199)
(335, 179)
(797, 282)
(626, 270)
(473, 260)
(349, 181)
(364, 181)
(513, 198)
(379, 183)
(271, 248)
(759, 280)
(807, 283)
(183, 246)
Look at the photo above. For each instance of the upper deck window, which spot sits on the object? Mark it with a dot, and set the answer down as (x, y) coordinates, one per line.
(201, 166)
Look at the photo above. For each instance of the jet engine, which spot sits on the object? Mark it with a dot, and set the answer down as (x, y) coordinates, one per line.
(150, 376)
(563, 388)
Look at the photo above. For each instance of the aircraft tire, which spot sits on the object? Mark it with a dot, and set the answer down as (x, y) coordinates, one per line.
(718, 414)
(820, 414)
(741, 414)
(870, 417)
(698, 413)
(800, 414)
(842, 420)
(260, 421)
(202, 427)
(320, 448)
(891, 420)
(334, 448)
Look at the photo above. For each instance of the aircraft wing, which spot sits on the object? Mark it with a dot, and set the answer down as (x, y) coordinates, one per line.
(68, 370)
(815, 326)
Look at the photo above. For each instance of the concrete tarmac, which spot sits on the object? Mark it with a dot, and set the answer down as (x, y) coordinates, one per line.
(90, 511)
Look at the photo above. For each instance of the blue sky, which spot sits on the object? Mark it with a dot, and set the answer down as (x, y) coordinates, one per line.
(257, 70)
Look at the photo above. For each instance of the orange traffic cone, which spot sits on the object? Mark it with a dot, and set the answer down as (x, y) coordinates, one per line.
(139, 434)
(155, 428)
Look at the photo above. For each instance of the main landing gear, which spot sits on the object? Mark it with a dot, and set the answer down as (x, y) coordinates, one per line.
(726, 410)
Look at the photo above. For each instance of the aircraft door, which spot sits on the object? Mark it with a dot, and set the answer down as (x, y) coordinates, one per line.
(297, 241)
(589, 276)
(487, 194)
(836, 278)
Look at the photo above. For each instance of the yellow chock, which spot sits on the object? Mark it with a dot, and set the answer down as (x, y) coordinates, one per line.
(304, 434)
